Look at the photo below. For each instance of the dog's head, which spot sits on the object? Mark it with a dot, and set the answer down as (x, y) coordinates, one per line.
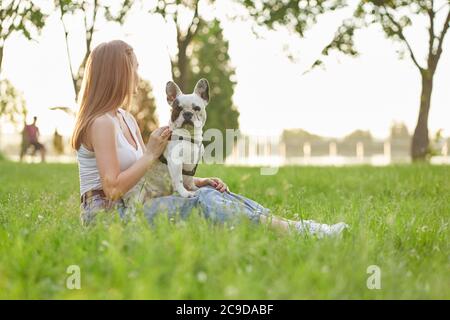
(188, 110)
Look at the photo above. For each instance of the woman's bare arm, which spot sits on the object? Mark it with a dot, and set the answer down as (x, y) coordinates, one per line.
(115, 183)
(216, 183)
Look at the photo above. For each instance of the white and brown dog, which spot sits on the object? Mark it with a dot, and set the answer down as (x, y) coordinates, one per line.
(176, 169)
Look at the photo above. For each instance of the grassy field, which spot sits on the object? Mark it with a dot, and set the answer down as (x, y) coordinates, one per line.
(399, 219)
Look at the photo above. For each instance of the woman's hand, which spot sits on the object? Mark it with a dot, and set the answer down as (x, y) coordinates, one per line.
(157, 142)
(115, 183)
(216, 183)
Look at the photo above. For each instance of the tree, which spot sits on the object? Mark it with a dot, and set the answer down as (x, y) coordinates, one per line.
(399, 131)
(202, 53)
(298, 15)
(295, 139)
(19, 16)
(394, 16)
(58, 143)
(186, 29)
(143, 109)
(171, 11)
(299, 136)
(12, 103)
(359, 136)
(89, 11)
(210, 60)
(400, 140)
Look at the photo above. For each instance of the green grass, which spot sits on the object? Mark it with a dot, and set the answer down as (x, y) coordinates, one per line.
(399, 218)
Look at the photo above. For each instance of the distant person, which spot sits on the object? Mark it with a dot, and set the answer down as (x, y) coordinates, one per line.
(58, 144)
(30, 138)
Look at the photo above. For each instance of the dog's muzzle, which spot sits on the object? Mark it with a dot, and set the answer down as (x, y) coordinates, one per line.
(187, 123)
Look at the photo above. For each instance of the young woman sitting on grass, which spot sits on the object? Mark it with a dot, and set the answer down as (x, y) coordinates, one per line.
(112, 157)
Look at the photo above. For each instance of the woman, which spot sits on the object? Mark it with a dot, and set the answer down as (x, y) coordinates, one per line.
(112, 157)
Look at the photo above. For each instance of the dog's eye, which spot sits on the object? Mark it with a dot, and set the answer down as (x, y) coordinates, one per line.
(196, 108)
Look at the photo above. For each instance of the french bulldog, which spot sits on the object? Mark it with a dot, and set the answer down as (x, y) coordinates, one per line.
(176, 167)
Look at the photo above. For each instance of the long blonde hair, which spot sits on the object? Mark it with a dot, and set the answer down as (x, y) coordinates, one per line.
(108, 83)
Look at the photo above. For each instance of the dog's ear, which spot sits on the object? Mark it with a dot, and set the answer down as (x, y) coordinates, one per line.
(172, 91)
(202, 89)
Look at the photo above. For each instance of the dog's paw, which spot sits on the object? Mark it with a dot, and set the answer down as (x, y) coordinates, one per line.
(186, 194)
(193, 188)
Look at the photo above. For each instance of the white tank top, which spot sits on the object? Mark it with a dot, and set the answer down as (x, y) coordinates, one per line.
(126, 153)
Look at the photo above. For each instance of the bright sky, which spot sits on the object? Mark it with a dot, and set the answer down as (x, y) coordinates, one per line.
(368, 92)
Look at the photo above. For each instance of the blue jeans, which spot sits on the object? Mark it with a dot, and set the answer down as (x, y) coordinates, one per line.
(213, 205)
(97, 204)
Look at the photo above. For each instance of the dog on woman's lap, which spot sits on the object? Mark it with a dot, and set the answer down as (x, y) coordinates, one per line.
(174, 172)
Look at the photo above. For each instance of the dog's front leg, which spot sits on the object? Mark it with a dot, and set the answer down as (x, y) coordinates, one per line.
(189, 183)
(175, 167)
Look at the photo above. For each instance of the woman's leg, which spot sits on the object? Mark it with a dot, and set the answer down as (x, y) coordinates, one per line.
(277, 223)
(222, 207)
(225, 206)
(96, 204)
(172, 206)
(215, 206)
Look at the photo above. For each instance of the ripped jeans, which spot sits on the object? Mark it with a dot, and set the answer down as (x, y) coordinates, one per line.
(97, 205)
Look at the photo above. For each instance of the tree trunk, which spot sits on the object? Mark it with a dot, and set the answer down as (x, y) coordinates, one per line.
(420, 140)
(182, 66)
(81, 69)
(78, 77)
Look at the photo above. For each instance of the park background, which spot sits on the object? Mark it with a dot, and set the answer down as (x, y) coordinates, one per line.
(317, 82)
(260, 72)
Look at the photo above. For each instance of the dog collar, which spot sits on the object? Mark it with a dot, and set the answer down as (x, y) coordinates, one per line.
(163, 159)
(181, 138)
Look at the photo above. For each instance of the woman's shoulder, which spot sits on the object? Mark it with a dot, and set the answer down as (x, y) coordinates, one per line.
(104, 121)
(101, 125)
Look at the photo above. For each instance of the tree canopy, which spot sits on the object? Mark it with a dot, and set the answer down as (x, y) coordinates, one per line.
(210, 60)
(90, 11)
(12, 103)
(394, 17)
(143, 109)
(21, 16)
